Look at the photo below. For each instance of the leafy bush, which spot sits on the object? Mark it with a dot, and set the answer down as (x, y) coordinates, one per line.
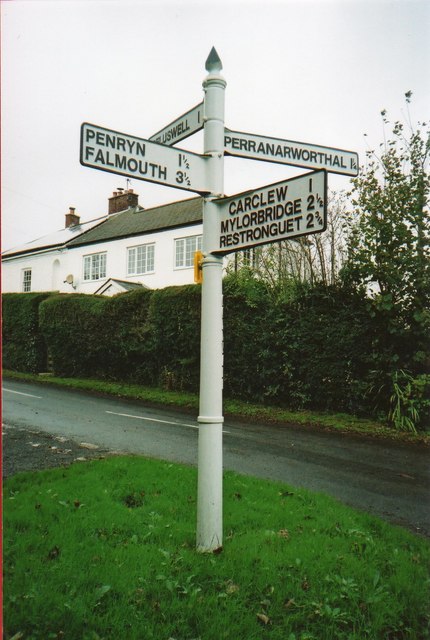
(173, 331)
(251, 368)
(93, 336)
(73, 328)
(126, 321)
(321, 347)
(388, 252)
(24, 347)
(143, 336)
(410, 401)
(326, 340)
(311, 349)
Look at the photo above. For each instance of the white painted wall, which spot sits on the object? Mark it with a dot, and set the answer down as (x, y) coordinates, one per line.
(47, 270)
(50, 268)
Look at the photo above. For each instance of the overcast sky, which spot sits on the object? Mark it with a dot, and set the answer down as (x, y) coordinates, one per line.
(316, 71)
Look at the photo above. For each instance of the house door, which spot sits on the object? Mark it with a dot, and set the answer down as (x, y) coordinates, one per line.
(56, 277)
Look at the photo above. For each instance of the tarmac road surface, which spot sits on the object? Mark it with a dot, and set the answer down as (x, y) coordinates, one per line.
(383, 478)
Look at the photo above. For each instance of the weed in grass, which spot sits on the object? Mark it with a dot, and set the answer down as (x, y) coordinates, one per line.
(105, 549)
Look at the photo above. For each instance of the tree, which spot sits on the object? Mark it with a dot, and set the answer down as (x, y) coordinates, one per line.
(313, 259)
(388, 247)
(388, 241)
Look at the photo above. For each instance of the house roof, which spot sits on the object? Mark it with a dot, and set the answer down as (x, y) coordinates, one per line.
(130, 222)
(125, 285)
(54, 239)
(137, 221)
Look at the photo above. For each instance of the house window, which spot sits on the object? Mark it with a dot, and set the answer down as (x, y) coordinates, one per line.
(185, 249)
(140, 259)
(95, 266)
(26, 280)
(248, 258)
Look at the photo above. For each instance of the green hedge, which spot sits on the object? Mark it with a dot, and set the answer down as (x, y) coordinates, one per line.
(24, 347)
(327, 348)
(326, 339)
(251, 350)
(312, 349)
(173, 331)
(142, 336)
(93, 336)
(126, 323)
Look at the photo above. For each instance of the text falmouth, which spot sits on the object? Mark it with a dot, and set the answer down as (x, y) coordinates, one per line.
(121, 162)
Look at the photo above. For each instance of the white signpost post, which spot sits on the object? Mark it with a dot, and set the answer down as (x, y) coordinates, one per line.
(209, 488)
(271, 213)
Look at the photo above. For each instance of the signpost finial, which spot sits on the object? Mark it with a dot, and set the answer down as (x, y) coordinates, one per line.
(213, 63)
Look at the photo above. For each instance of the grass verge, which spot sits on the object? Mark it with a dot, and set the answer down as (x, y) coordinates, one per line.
(105, 550)
(235, 409)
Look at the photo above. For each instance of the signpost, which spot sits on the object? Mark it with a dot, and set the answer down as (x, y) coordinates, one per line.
(139, 158)
(209, 488)
(181, 128)
(299, 154)
(279, 211)
(272, 213)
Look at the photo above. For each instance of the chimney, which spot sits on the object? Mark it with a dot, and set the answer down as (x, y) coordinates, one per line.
(122, 200)
(71, 218)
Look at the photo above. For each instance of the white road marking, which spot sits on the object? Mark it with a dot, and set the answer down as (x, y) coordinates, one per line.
(20, 393)
(127, 415)
(177, 424)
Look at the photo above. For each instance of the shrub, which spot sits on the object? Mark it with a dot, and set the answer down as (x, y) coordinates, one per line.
(129, 341)
(24, 347)
(325, 338)
(73, 326)
(321, 347)
(93, 336)
(251, 366)
(173, 332)
(410, 401)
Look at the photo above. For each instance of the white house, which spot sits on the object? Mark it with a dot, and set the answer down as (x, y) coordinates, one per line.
(130, 247)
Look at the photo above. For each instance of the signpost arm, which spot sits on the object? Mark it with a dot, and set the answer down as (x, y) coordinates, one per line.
(209, 494)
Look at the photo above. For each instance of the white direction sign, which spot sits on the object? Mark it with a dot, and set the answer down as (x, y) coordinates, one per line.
(181, 128)
(280, 211)
(139, 158)
(299, 154)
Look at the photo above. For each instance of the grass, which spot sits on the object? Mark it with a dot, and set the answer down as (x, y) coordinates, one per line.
(106, 550)
(235, 409)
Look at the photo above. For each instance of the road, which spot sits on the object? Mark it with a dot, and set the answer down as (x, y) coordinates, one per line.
(380, 477)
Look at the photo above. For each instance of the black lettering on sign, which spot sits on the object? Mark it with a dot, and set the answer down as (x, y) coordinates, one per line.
(311, 203)
(310, 221)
